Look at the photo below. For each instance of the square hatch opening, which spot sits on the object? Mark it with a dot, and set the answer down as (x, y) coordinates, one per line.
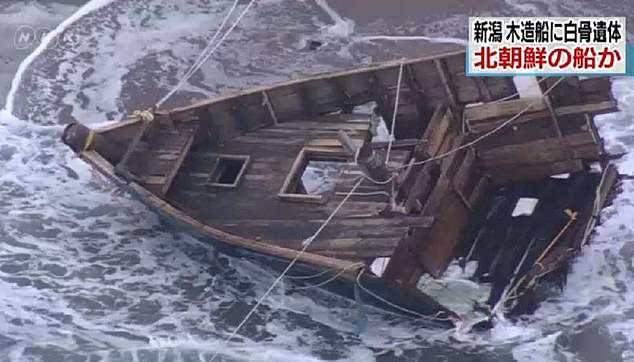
(313, 175)
(228, 171)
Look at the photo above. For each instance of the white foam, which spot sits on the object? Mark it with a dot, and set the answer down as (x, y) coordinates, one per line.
(89, 7)
(342, 27)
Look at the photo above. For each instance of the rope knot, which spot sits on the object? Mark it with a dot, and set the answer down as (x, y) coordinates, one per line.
(145, 116)
(571, 214)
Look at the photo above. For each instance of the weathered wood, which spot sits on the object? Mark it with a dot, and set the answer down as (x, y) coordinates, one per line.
(487, 124)
(80, 139)
(120, 168)
(608, 180)
(424, 182)
(435, 248)
(436, 131)
(266, 101)
(441, 67)
(448, 167)
(475, 113)
(581, 145)
(503, 175)
(254, 219)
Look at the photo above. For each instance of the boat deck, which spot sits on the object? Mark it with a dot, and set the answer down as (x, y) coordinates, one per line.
(360, 230)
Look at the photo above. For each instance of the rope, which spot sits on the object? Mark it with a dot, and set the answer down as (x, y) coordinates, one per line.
(323, 272)
(488, 134)
(305, 244)
(145, 116)
(204, 57)
(196, 65)
(393, 126)
(395, 306)
(89, 140)
(320, 284)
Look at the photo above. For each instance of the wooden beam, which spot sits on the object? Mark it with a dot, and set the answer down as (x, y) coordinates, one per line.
(441, 68)
(184, 151)
(581, 146)
(508, 108)
(502, 175)
(555, 121)
(266, 101)
(436, 131)
(121, 167)
(422, 187)
(486, 124)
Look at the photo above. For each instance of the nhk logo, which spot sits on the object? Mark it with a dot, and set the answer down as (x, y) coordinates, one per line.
(27, 37)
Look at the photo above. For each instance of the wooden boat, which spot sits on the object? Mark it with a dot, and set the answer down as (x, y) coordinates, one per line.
(467, 153)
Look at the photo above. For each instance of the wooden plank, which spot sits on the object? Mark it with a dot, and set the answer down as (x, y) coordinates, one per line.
(121, 167)
(419, 192)
(487, 124)
(435, 248)
(169, 177)
(403, 269)
(441, 68)
(546, 150)
(479, 190)
(266, 101)
(475, 113)
(464, 172)
(316, 125)
(436, 131)
(448, 169)
(503, 175)
(608, 180)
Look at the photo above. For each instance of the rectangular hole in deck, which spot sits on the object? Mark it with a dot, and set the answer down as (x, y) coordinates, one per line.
(314, 173)
(228, 170)
(320, 177)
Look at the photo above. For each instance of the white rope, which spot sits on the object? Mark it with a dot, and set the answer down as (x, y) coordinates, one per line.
(488, 134)
(396, 306)
(306, 244)
(321, 284)
(204, 57)
(301, 277)
(398, 92)
(200, 60)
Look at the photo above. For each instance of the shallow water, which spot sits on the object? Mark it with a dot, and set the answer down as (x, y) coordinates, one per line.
(88, 274)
